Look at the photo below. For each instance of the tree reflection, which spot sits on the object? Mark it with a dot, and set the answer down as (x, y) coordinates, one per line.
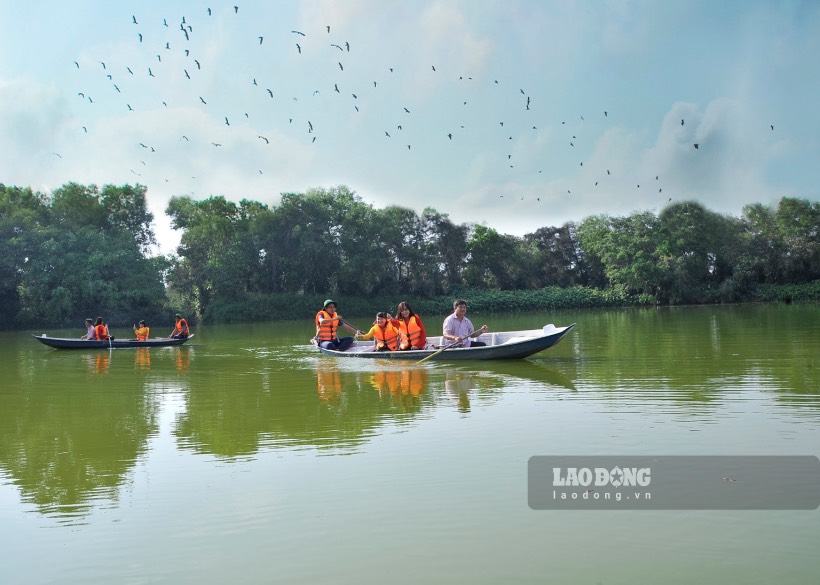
(68, 437)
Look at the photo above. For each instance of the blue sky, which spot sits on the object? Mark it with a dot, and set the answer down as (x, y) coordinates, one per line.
(516, 114)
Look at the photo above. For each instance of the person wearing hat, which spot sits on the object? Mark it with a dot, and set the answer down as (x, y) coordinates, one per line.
(181, 330)
(142, 332)
(89, 334)
(327, 325)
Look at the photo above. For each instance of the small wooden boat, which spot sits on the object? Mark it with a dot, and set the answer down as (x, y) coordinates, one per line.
(76, 343)
(505, 345)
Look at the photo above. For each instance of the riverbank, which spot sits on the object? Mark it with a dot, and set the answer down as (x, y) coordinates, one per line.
(289, 306)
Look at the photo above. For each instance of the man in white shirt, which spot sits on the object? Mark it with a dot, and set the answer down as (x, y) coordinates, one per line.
(90, 330)
(457, 327)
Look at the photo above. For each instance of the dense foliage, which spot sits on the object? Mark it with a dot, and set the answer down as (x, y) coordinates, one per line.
(83, 251)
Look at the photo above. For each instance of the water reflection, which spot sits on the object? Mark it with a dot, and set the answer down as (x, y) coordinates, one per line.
(142, 358)
(68, 449)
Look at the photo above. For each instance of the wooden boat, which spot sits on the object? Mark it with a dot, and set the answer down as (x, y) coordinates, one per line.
(76, 343)
(505, 345)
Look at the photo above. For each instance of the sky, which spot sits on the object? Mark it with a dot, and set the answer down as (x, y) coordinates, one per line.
(516, 114)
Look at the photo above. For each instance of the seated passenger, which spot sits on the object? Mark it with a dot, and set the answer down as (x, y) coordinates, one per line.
(384, 332)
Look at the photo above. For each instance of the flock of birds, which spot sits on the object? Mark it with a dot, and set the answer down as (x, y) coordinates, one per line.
(174, 53)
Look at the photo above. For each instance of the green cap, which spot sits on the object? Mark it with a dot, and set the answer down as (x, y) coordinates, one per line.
(329, 302)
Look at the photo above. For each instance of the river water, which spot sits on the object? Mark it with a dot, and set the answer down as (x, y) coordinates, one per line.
(245, 456)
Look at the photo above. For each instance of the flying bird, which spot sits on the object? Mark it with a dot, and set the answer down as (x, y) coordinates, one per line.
(340, 67)
(203, 101)
(328, 29)
(681, 121)
(265, 139)
(696, 145)
(236, 9)
(77, 64)
(433, 66)
(337, 46)
(406, 110)
(347, 46)
(216, 144)
(198, 66)
(57, 154)
(298, 32)
(261, 39)
(226, 121)
(134, 19)
(103, 64)
(187, 74)
(336, 88)
(140, 35)
(130, 109)
(299, 48)
(150, 73)
(269, 91)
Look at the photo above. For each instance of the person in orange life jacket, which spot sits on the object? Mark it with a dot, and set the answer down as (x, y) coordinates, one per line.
(100, 330)
(181, 330)
(384, 332)
(458, 328)
(413, 334)
(89, 334)
(327, 324)
(142, 332)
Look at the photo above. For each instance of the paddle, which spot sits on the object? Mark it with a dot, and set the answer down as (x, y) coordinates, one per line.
(432, 355)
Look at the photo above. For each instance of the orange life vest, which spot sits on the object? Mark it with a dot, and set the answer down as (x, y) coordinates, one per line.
(101, 332)
(387, 337)
(142, 333)
(410, 332)
(181, 327)
(326, 331)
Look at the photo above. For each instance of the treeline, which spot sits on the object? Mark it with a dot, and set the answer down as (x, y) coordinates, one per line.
(80, 252)
(85, 251)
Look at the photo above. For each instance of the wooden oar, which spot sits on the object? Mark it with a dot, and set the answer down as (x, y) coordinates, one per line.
(348, 323)
(432, 355)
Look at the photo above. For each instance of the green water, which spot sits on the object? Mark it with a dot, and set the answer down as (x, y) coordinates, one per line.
(247, 457)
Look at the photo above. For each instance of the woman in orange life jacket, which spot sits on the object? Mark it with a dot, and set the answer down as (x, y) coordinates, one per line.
(142, 332)
(327, 324)
(384, 332)
(100, 330)
(413, 334)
